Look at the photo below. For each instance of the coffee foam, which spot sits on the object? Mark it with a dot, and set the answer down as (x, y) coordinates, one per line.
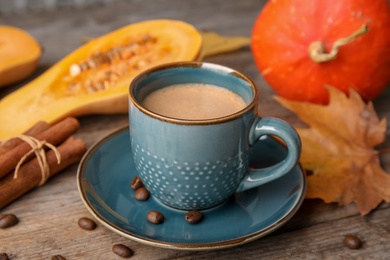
(194, 101)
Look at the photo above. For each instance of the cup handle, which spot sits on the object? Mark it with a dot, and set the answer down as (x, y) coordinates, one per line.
(281, 129)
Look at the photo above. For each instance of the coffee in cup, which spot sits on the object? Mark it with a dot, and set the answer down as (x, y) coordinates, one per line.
(194, 101)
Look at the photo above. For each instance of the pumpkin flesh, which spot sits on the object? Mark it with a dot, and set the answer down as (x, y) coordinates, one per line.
(95, 78)
(19, 53)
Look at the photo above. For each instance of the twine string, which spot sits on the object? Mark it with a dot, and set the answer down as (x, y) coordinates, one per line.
(39, 151)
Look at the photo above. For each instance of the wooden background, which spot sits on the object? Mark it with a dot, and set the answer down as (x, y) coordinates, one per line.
(48, 215)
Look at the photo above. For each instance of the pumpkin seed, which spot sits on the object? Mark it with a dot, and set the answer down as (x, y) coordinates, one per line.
(74, 70)
(91, 64)
(116, 62)
(100, 85)
(91, 88)
(106, 84)
(83, 66)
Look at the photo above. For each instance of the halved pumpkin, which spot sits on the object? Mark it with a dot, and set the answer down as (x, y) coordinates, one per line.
(95, 78)
(19, 54)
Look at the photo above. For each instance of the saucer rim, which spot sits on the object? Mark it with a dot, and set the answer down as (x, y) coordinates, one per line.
(172, 245)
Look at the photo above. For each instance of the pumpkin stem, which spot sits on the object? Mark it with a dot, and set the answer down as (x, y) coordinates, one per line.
(317, 49)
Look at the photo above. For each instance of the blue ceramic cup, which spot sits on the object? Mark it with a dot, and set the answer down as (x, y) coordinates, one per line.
(198, 164)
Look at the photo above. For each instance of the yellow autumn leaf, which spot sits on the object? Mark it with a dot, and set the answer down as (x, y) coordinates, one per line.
(338, 148)
(213, 43)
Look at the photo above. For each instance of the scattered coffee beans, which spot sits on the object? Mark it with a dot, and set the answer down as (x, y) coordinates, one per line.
(155, 217)
(87, 223)
(8, 220)
(193, 216)
(141, 194)
(58, 257)
(136, 183)
(122, 250)
(352, 242)
(3, 256)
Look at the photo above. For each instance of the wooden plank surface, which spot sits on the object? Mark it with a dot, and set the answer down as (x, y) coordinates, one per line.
(48, 215)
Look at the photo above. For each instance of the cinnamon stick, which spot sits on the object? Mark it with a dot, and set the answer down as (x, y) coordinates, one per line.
(30, 175)
(54, 135)
(33, 131)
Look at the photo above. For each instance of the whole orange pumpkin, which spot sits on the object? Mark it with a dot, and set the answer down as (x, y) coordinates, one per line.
(301, 46)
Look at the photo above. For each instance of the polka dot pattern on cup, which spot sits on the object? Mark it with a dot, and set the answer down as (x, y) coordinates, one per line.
(189, 185)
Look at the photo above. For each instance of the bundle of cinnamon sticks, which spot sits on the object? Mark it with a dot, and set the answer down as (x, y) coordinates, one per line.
(29, 174)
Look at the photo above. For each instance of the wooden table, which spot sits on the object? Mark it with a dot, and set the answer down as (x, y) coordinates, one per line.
(48, 215)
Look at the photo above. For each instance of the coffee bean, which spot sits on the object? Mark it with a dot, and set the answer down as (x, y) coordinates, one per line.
(141, 194)
(352, 242)
(122, 250)
(3, 256)
(58, 257)
(193, 216)
(87, 223)
(136, 183)
(8, 220)
(155, 217)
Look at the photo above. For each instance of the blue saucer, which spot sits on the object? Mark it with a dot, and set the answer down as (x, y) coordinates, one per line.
(103, 179)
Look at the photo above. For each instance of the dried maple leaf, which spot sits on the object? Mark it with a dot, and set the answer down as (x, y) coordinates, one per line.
(338, 147)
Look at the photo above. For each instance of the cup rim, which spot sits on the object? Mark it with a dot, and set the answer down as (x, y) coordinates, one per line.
(195, 64)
